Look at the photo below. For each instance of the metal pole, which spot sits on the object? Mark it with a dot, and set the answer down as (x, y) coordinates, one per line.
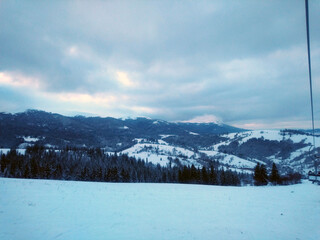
(310, 79)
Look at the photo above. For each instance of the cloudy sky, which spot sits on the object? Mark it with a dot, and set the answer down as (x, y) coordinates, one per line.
(240, 62)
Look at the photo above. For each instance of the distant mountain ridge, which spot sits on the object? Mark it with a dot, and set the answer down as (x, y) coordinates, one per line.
(162, 142)
(53, 129)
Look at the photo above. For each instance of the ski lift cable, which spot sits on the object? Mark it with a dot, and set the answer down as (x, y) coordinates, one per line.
(309, 67)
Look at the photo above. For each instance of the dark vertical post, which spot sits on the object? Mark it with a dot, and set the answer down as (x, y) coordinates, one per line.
(310, 79)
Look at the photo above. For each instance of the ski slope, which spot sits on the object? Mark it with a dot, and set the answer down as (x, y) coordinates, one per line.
(64, 210)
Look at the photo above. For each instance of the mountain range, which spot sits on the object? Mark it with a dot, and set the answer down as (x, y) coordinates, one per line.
(60, 131)
(160, 142)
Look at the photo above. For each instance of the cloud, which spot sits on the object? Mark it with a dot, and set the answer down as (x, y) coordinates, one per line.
(143, 110)
(205, 119)
(14, 79)
(278, 124)
(81, 98)
(242, 62)
(73, 51)
(124, 80)
(177, 68)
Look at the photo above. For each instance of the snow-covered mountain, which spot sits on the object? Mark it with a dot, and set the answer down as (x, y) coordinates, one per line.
(39, 127)
(290, 149)
(162, 142)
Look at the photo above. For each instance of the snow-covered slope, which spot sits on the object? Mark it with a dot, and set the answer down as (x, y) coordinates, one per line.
(239, 151)
(164, 154)
(61, 210)
(272, 135)
(158, 153)
(295, 144)
(231, 160)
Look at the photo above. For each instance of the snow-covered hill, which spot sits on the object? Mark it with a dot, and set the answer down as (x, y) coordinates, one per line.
(161, 142)
(272, 135)
(161, 152)
(288, 148)
(238, 151)
(62, 210)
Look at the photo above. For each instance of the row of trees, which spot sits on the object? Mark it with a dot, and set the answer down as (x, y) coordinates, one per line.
(95, 165)
(211, 176)
(261, 176)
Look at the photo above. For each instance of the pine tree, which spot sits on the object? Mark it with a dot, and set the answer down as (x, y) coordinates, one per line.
(260, 175)
(274, 176)
(256, 175)
(264, 175)
(34, 168)
(193, 174)
(204, 176)
(213, 176)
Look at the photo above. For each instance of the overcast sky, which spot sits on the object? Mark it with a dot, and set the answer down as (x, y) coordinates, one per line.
(240, 62)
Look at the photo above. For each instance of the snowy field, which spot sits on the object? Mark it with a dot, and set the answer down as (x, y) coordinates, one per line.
(46, 209)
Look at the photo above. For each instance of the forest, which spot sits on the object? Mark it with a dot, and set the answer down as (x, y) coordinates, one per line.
(261, 176)
(92, 164)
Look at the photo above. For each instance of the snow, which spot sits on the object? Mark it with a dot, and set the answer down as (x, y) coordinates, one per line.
(140, 140)
(299, 152)
(193, 133)
(231, 160)
(6, 150)
(153, 158)
(148, 118)
(160, 141)
(47, 209)
(50, 146)
(245, 136)
(165, 135)
(30, 139)
(272, 135)
(128, 118)
(25, 145)
(160, 148)
(159, 153)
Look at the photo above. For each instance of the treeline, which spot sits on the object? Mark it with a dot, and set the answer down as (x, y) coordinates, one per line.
(94, 165)
(261, 177)
(211, 176)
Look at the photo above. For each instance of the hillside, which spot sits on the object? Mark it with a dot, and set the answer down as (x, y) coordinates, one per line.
(238, 151)
(30, 127)
(47, 209)
(162, 142)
